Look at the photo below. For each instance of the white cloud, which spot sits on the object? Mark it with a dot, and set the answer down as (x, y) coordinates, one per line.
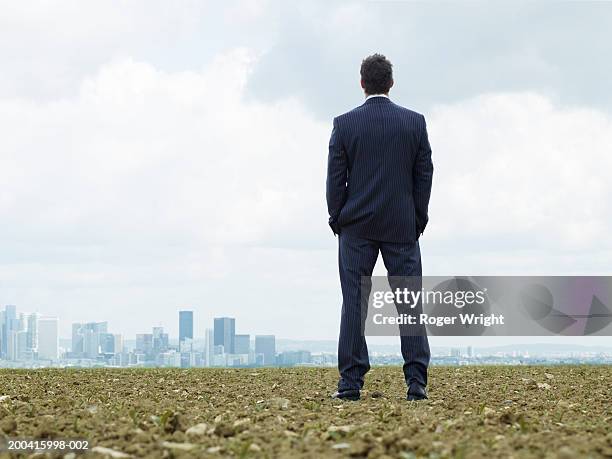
(517, 169)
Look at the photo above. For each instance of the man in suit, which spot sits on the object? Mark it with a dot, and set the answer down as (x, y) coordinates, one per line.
(379, 178)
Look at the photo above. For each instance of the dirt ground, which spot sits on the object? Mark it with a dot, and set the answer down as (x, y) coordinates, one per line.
(563, 411)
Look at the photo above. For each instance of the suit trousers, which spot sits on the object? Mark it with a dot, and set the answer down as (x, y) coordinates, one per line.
(356, 258)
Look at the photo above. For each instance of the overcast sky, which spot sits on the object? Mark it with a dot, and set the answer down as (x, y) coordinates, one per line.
(157, 155)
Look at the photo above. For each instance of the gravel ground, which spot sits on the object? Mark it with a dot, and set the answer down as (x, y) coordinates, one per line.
(473, 411)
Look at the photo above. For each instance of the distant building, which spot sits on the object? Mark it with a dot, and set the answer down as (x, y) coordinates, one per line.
(12, 346)
(24, 352)
(293, 358)
(32, 329)
(118, 343)
(144, 344)
(9, 323)
(225, 332)
(265, 346)
(186, 345)
(86, 339)
(48, 338)
(242, 344)
(209, 347)
(107, 343)
(160, 340)
(185, 325)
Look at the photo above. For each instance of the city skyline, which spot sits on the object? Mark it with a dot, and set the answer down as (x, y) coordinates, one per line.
(31, 337)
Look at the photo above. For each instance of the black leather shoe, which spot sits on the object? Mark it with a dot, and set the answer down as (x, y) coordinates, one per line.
(352, 395)
(416, 392)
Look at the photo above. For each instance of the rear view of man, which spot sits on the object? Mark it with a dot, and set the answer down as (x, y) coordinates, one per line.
(379, 178)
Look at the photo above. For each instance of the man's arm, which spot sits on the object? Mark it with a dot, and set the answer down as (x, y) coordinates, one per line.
(337, 171)
(422, 174)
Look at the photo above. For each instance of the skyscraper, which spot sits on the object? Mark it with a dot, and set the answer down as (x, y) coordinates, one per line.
(225, 331)
(160, 340)
(10, 323)
(48, 338)
(86, 338)
(118, 343)
(144, 343)
(185, 325)
(242, 344)
(266, 346)
(210, 348)
(32, 327)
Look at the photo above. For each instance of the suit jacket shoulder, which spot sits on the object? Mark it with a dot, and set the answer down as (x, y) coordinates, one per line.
(361, 109)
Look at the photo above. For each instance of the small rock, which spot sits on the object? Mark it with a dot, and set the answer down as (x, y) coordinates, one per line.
(109, 452)
(197, 430)
(254, 447)
(214, 449)
(545, 386)
(179, 446)
(4, 397)
(377, 394)
(342, 429)
(341, 446)
(549, 376)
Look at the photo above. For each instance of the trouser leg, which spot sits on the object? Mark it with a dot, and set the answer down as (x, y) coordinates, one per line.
(405, 260)
(356, 258)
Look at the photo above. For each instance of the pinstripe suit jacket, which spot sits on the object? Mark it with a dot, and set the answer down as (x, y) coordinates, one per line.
(379, 172)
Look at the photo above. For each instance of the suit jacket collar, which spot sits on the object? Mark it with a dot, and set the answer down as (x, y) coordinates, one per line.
(377, 100)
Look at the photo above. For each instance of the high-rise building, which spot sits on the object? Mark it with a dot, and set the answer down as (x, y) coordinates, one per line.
(2, 341)
(91, 343)
(48, 338)
(185, 325)
(10, 323)
(86, 338)
(225, 332)
(24, 352)
(12, 346)
(265, 345)
(210, 348)
(160, 340)
(107, 343)
(242, 344)
(32, 329)
(144, 343)
(118, 343)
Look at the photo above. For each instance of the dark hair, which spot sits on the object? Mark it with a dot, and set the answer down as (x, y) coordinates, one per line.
(377, 74)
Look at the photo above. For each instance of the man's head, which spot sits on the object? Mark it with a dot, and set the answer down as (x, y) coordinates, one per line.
(376, 74)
